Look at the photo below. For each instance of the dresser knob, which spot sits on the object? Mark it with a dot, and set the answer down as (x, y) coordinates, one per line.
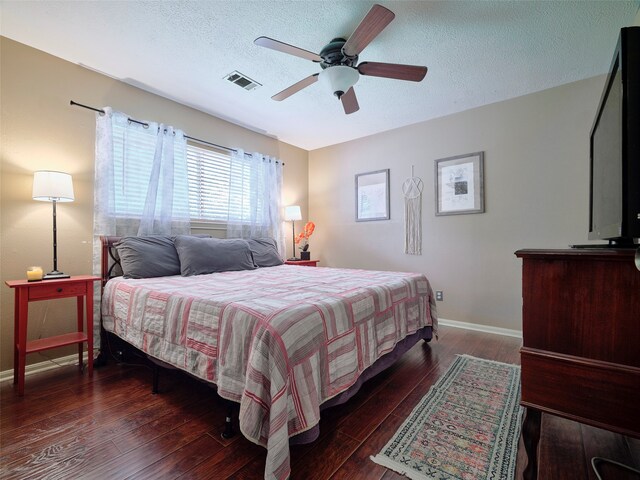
(59, 289)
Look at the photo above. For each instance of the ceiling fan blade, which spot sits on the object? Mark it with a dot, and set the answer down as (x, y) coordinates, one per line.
(371, 25)
(412, 73)
(349, 101)
(296, 87)
(286, 48)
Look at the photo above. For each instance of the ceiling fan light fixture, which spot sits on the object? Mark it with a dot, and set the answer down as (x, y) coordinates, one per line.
(339, 79)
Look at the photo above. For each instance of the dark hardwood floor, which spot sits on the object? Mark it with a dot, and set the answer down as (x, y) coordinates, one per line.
(111, 427)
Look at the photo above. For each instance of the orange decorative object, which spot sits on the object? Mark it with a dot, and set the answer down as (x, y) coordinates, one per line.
(308, 229)
(305, 233)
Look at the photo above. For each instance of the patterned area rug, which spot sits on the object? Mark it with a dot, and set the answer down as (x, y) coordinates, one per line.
(467, 426)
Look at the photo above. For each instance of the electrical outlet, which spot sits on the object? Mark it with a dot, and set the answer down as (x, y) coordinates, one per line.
(439, 295)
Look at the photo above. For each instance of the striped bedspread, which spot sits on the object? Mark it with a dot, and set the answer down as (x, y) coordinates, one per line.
(279, 340)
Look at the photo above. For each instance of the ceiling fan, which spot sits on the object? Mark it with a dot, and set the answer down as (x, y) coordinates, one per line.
(339, 61)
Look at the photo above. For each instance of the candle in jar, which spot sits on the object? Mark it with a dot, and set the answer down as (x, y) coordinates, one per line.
(34, 273)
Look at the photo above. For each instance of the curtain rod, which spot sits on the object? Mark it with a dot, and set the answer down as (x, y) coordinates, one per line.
(72, 103)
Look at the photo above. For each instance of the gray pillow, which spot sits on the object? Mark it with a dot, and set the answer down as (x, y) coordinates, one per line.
(146, 257)
(265, 252)
(209, 255)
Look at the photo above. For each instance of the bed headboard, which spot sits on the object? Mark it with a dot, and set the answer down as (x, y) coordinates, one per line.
(110, 261)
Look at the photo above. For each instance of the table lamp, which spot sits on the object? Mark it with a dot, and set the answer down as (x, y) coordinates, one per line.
(293, 213)
(53, 187)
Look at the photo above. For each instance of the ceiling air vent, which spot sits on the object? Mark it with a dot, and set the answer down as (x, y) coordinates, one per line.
(242, 81)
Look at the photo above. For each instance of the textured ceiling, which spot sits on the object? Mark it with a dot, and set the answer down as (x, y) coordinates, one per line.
(478, 52)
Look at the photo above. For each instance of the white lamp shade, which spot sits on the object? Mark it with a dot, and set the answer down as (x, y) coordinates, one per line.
(49, 186)
(292, 212)
(339, 78)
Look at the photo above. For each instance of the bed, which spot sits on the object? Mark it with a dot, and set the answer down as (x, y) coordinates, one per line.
(282, 341)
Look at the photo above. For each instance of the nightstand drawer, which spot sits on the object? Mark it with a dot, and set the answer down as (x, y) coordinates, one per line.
(44, 291)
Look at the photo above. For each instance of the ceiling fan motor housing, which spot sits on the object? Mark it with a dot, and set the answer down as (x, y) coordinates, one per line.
(332, 55)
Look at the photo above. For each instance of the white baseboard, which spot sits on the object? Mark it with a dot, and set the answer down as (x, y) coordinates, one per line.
(44, 366)
(480, 328)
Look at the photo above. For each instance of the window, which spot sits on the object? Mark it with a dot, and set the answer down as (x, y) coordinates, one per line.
(220, 187)
(134, 148)
(208, 172)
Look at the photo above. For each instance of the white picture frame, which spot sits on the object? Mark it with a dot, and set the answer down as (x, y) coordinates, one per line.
(372, 196)
(460, 184)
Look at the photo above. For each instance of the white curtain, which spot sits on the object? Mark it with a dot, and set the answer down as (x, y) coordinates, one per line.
(141, 184)
(255, 193)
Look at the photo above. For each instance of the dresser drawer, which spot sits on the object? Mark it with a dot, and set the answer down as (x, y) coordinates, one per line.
(601, 394)
(44, 291)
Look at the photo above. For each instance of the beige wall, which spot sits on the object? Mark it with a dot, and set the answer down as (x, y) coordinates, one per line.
(39, 130)
(536, 196)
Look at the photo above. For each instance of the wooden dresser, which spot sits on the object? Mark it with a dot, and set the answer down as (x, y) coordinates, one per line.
(581, 340)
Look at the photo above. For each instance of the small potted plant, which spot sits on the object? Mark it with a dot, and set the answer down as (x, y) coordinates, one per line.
(302, 240)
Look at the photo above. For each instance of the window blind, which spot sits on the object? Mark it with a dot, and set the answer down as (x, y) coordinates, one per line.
(219, 189)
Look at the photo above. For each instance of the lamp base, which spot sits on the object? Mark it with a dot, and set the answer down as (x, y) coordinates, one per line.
(55, 275)
(293, 259)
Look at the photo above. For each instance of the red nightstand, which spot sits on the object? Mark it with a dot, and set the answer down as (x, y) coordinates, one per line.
(81, 287)
(303, 263)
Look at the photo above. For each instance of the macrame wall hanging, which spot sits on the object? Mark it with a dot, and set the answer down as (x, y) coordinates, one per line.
(412, 190)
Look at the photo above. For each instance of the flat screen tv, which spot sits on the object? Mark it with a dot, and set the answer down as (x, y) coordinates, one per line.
(614, 212)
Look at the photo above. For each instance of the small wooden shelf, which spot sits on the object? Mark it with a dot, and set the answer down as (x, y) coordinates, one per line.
(57, 341)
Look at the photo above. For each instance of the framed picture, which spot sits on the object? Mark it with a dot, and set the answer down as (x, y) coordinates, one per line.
(460, 184)
(372, 196)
